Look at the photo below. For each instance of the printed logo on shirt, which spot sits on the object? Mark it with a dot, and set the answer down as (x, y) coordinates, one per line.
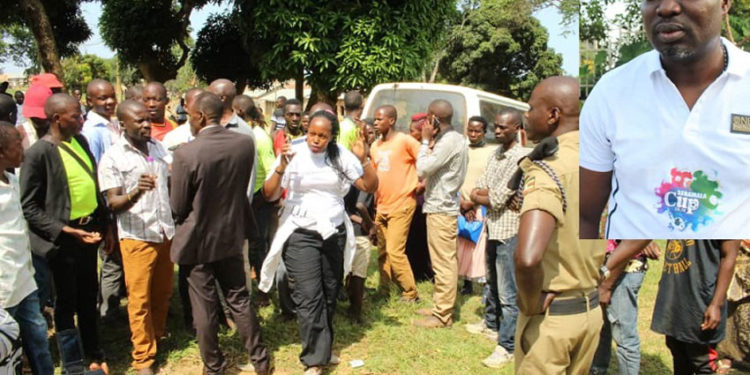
(384, 160)
(740, 124)
(691, 199)
(674, 260)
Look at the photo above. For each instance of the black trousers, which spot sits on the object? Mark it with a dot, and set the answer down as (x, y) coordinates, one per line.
(204, 299)
(258, 247)
(74, 272)
(315, 270)
(689, 358)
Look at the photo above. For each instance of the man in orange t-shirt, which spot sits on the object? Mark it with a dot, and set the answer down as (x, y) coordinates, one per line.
(395, 158)
(155, 98)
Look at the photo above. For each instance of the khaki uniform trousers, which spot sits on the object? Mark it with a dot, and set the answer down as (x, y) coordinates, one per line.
(442, 241)
(392, 232)
(148, 279)
(557, 344)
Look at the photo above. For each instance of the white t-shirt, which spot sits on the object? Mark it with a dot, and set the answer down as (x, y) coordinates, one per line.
(676, 173)
(16, 270)
(315, 191)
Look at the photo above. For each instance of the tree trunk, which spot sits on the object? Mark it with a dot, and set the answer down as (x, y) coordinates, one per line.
(299, 85)
(152, 71)
(317, 95)
(38, 22)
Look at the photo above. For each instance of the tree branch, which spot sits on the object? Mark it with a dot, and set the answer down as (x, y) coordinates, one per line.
(730, 36)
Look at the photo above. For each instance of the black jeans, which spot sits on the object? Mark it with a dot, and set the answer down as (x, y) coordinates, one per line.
(258, 247)
(315, 269)
(74, 272)
(689, 358)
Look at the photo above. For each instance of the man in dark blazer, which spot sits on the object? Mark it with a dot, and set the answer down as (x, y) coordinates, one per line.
(210, 176)
(67, 219)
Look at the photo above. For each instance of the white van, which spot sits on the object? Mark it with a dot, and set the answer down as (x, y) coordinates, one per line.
(410, 98)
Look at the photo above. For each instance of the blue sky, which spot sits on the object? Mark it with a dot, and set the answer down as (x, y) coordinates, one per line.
(565, 43)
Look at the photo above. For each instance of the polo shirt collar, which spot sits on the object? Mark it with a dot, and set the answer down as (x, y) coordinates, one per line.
(153, 151)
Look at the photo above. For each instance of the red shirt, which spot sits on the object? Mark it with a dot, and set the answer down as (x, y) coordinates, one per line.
(158, 131)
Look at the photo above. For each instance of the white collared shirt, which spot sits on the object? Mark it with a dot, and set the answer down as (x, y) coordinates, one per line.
(16, 270)
(677, 173)
(150, 218)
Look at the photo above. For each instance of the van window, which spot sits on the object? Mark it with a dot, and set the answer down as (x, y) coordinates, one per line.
(412, 101)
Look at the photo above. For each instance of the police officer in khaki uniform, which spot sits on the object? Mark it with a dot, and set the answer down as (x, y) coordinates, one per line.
(559, 315)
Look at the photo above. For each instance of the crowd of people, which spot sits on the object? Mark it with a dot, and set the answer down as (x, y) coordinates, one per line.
(300, 203)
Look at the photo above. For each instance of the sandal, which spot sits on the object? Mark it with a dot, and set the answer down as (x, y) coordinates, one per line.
(725, 367)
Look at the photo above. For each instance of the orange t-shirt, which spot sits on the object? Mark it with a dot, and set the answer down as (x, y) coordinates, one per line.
(396, 163)
(158, 131)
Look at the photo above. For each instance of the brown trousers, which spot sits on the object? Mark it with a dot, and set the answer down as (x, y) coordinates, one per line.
(392, 232)
(557, 344)
(148, 279)
(442, 240)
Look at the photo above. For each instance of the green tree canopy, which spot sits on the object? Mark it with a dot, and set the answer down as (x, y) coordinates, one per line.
(220, 53)
(146, 32)
(81, 69)
(26, 39)
(500, 48)
(340, 45)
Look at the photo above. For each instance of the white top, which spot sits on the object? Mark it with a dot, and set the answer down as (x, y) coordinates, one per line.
(16, 270)
(677, 173)
(150, 218)
(177, 137)
(314, 201)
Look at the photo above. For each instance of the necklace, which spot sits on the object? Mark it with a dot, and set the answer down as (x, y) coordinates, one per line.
(726, 56)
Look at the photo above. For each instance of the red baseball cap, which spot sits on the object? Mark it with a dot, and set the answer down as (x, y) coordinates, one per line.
(47, 79)
(36, 96)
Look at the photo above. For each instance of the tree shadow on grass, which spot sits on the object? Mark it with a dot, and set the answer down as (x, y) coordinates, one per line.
(652, 364)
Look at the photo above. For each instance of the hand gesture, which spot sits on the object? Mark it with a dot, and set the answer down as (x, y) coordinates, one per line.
(360, 147)
(146, 183)
(428, 129)
(82, 236)
(286, 154)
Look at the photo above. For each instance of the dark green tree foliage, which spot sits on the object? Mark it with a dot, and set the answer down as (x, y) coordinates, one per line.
(68, 26)
(501, 48)
(144, 33)
(219, 53)
(340, 45)
(81, 69)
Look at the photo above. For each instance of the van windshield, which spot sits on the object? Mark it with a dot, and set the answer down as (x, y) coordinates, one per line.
(412, 101)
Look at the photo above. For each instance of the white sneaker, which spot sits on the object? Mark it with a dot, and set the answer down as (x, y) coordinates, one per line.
(314, 370)
(499, 358)
(479, 328)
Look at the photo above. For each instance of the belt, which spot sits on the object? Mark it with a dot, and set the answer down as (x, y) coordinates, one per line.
(577, 305)
(82, 221)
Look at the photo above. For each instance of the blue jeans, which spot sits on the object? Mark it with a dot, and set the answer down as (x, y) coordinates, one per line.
(33, 333)
(621, 323)
(43, 278)
(502, 284)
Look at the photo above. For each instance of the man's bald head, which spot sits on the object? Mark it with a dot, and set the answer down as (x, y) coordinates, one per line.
(321, 106)
(191, 95)
(8, 109)
(225, 90)
(553, 108)
(97, 84)
(244, 106)
(442, 109)
(210, 105)
(156, 88)
(58, 104)
(128, 107)
(134, 92)
(388, 110)
(560, 92)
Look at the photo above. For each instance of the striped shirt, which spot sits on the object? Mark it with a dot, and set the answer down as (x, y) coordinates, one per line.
(150, 218)
(502, 223)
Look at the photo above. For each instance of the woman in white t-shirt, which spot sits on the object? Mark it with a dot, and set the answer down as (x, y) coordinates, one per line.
(315, 237)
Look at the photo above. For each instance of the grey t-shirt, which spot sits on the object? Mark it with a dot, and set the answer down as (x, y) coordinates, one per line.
(444, 168)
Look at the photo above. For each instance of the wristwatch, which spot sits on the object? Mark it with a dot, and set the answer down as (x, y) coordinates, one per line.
(604, 272)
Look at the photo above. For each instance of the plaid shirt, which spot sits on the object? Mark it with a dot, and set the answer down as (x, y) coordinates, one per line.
(502, 223)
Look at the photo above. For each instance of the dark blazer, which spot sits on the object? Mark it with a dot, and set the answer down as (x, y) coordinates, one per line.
(45, 197)
(210, 177)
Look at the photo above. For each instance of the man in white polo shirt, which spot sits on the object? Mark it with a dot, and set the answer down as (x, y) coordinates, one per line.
(666, 137)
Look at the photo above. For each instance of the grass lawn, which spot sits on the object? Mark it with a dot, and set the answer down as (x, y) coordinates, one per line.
(386, 342)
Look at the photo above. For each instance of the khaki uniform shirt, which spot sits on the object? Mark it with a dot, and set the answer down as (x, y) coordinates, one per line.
(569, 264)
